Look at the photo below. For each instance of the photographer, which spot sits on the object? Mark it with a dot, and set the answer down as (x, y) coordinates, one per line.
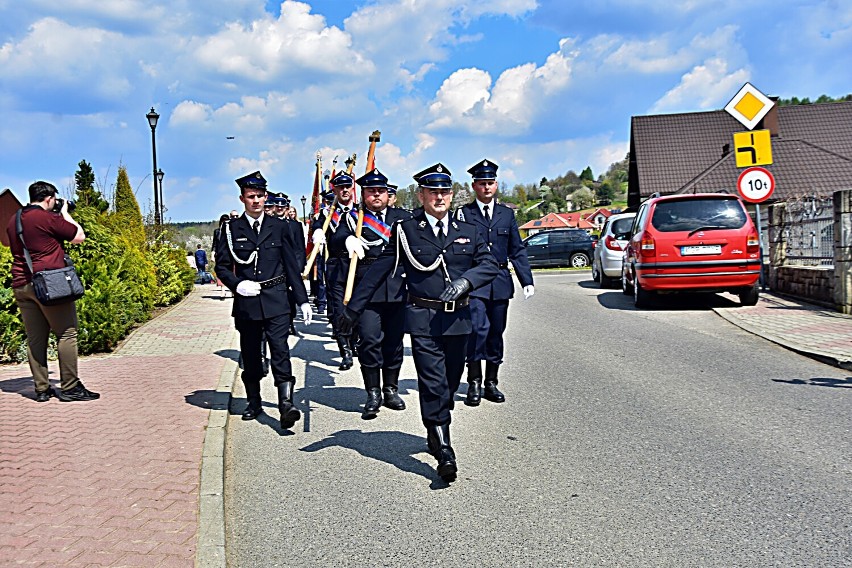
(46, 224)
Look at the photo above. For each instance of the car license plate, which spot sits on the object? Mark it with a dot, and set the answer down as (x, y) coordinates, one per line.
(701, 249)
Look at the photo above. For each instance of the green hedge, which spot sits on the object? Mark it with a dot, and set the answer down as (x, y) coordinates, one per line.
(123, 284)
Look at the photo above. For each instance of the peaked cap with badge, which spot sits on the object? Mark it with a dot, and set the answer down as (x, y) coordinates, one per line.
(374, 178)
(483, 170)
(254, 180)
(434, 177)
(342, 180)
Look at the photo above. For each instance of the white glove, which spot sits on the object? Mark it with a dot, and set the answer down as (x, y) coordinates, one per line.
(248, 288)
(307, 313)
(528, 292)
(318, 238)
(353, 244)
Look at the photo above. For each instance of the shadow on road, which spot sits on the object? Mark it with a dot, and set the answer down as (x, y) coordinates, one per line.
(819, 382)
(682, 301)
(395, 448)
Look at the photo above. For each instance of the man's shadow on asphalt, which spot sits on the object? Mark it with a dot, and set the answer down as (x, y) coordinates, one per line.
(22, 386)
(395, 448)
(819, 382)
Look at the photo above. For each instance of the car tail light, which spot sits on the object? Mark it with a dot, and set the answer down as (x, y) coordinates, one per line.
(612, 244)
(647, 246)
(753, 242)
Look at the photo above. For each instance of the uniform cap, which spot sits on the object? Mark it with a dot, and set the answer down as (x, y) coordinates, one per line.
(374, 178)
(392, 189)
(254, 180)
(342, 180)
(434, 177)
(483, 170)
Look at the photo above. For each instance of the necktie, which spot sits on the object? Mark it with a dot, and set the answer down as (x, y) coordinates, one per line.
(381, 217)
(256, 226)
(487, 216)
(440, 233)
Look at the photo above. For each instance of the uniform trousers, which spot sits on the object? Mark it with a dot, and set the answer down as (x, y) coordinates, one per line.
(251, 334)
(320, 300)
(335, 285)
(440, 363)
(381, 328)
(39, 321)
(488, 318)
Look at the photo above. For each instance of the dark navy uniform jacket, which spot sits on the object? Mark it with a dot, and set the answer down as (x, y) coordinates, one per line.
(297, 236)
(505, 242)
(466, 256)
(393, 288)
(276, 255)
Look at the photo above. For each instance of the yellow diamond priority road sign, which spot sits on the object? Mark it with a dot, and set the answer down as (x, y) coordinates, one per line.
(749, 106)
(752, 148)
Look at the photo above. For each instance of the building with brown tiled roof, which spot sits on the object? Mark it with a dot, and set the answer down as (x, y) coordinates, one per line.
(691, 152)
(577, 220)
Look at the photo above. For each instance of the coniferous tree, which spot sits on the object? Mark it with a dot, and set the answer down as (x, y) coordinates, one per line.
(87, 194)
(127, 212)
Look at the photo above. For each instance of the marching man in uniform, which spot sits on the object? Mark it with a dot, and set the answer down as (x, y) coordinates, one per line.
(380, 327)
(489, 305)
(256, 261)
(443, 261)
(337, 265)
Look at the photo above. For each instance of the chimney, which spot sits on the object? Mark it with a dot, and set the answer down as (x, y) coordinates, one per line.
(770, 121)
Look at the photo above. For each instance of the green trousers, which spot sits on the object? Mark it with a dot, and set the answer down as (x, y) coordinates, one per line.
(39, 321)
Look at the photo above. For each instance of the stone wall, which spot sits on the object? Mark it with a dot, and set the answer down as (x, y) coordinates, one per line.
(843, 251)
(813, 283)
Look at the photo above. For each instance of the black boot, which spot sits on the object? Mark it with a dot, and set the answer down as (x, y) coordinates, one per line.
(391, 389)
(353, 344)
(374, 393)
(254, 408)
(345, 352)
(438, 439)
(474, 383)
(289, 413)
(491, 393)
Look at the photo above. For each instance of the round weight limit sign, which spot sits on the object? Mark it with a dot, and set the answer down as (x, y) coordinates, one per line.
(755, 185)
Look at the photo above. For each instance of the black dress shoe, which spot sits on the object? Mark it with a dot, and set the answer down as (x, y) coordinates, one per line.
(44, 396)
(474, 393)
(438, 440)
(78, 393)
(392, 399)
(492, 393)
(373, 404)
(251, 412)
(447, 467)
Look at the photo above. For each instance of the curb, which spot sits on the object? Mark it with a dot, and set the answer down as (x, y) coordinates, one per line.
(210, 549)
(755, 330)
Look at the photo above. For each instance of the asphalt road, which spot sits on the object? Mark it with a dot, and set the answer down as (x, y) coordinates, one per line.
(663, 437)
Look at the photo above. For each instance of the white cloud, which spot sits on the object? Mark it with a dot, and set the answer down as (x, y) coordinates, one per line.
(190, 112)
(269, 48)
(705, 86)
(467, 101)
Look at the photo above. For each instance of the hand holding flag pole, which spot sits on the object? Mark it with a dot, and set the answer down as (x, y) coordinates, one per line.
(353, 259)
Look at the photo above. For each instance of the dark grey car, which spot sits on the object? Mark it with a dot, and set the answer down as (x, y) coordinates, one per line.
(560, 247)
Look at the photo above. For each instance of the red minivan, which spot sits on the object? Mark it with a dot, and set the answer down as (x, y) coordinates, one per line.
(703, 242)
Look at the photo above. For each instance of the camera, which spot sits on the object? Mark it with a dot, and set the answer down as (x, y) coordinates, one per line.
(57, 207)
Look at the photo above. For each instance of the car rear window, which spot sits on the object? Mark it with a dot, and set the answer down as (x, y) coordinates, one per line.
(621, 227)
(692, 214)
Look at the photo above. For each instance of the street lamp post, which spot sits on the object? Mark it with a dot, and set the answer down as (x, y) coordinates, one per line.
(304, 216)
(160, 175)
(153, 117)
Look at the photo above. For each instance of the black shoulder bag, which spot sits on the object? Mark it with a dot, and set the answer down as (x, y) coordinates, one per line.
(55, 286)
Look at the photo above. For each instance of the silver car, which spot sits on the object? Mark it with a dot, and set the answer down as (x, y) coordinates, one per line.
(606, 264)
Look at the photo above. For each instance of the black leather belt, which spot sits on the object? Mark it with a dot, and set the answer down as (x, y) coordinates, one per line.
(368, 260)
(503, 265)
(447, 307)
(273, 281)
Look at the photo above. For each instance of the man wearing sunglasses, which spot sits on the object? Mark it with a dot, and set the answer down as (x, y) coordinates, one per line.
(443, 260)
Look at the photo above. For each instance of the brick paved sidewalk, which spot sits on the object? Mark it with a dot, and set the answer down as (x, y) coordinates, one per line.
(817, 332)
(115, 482)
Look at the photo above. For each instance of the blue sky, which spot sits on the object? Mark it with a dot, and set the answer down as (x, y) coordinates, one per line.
(539, 86)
